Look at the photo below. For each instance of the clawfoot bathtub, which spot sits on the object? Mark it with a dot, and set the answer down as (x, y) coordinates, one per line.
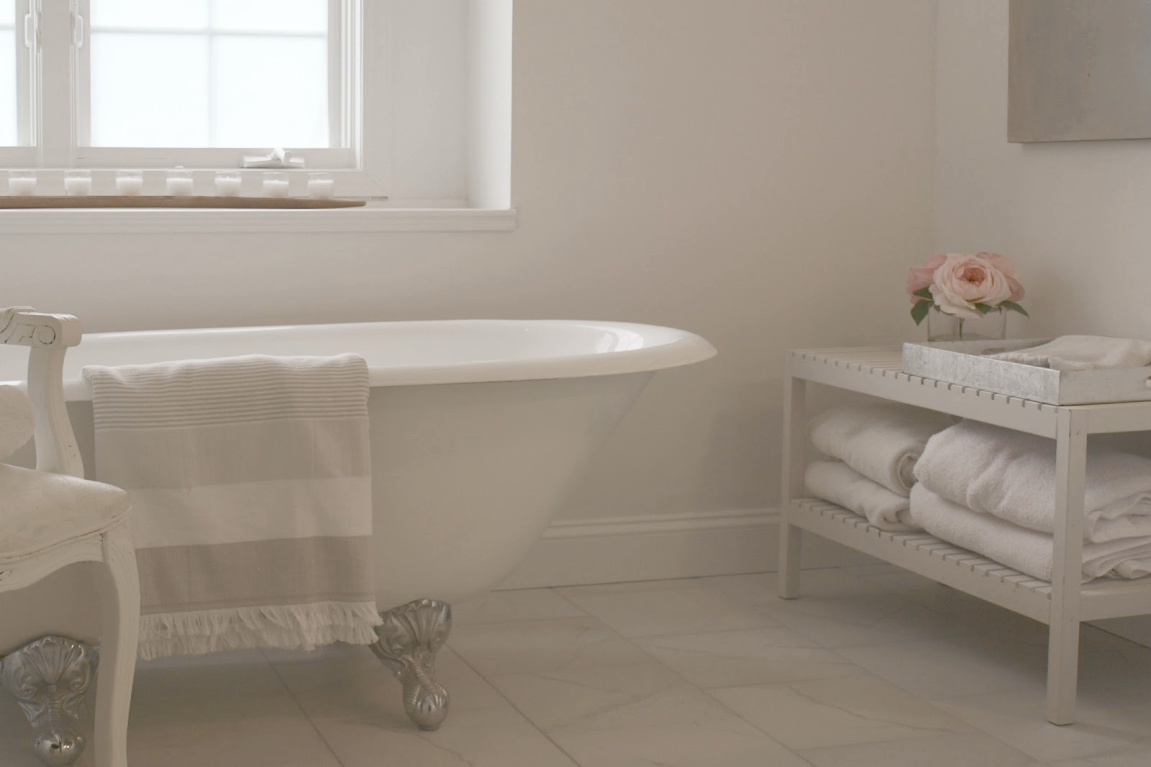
(479, 429)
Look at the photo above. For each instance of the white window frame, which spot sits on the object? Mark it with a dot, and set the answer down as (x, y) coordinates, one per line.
(55, 94)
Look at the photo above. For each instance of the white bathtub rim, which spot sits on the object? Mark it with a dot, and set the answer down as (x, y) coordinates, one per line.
(672, 347)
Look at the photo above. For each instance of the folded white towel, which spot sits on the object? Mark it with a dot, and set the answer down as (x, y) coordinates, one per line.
(1083, 353)
(837, 482)
(1027, 551)
(1011, 475)
(880, 441)
(17, 421)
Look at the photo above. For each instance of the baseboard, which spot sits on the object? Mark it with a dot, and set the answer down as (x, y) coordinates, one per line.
(640, 548)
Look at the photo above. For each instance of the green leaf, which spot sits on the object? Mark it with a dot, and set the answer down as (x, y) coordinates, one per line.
(1015, 308)
(924, 293)
(920, 310)
(984, 308)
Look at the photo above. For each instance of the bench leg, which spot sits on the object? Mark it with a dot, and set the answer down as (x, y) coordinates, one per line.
(1067, 566)
(794, 443)
(790, 553)
(1062, 671)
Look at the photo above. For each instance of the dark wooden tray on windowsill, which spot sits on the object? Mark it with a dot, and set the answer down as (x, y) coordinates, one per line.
(169, 201)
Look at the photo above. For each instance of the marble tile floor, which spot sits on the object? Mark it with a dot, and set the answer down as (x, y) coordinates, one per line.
(871, 666)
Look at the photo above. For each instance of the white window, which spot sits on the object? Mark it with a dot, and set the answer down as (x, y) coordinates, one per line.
(198, 83)
(416, 110)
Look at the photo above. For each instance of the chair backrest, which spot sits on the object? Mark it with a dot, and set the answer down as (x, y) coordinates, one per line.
(48, 337)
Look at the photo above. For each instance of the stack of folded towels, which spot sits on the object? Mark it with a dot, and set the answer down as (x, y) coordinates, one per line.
(871, 451)
(992, 490)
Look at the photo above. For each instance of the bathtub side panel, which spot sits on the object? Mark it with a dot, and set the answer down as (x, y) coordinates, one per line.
(466, 477)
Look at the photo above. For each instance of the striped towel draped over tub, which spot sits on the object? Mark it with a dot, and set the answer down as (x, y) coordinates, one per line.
(250, 480)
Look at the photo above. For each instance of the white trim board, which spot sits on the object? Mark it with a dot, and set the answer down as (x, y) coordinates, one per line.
(372, 218)
(620, 549)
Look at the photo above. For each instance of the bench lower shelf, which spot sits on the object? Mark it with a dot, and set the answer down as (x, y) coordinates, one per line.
(965, 570)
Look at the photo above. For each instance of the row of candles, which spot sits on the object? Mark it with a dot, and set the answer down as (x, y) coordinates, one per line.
(179, 183)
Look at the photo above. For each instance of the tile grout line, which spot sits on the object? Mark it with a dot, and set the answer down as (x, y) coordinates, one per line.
(685, 680)
(711, 697)
(738, 716)
(296, 701)
(629, 640)
(514, 707)
(707, 693)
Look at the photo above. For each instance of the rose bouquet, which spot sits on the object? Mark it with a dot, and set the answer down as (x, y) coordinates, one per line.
(964, 286)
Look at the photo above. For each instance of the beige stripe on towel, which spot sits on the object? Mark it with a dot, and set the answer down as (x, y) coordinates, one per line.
(250, 480)
(249, 574)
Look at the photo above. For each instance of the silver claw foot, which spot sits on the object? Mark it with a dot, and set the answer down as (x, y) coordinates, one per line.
(409, 639)
(48, 677)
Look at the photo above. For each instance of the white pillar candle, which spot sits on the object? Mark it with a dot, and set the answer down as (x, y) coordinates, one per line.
(321, 185)
(228, 184)
(130, 183)
(22, 184)
(276, 184)
(77, 183)
(179, 184)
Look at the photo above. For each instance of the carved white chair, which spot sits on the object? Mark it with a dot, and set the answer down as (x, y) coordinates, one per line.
(51, 517)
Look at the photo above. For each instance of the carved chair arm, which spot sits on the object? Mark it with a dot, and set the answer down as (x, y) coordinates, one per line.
(48, 336)
(24, 326)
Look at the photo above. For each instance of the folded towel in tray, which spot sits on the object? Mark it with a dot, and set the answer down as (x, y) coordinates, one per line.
(1027, 551)
(1011, 475)
(880, 441)
(250, 482)
(1069, 353)
(837, 482)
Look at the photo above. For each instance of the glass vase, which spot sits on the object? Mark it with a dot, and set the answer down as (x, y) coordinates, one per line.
(947, 327)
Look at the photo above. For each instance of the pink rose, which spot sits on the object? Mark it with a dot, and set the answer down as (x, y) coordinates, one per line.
(920, 278)
(962, 281)
(1007, 269)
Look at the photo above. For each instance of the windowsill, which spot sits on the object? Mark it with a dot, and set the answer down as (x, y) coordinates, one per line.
(370, 218)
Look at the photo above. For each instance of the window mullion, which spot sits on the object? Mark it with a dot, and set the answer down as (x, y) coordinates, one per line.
(82, 78)
(56, 119)
(25, 34)
(210, 74)
(337, 75)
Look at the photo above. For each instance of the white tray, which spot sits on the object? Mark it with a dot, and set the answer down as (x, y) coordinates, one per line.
(961, 362)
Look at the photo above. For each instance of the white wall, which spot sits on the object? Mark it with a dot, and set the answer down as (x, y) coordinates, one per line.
(1072, 215)
(758, 171)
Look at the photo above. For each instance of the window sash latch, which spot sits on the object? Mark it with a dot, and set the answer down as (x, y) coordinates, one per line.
(32, 30)
(77, 29)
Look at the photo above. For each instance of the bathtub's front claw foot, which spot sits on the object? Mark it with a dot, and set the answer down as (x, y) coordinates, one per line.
(409, 639)
(48, 677)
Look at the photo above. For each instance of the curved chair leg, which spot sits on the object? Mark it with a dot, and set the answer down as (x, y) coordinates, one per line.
(48, 677)
(119, 628)
(410, 637)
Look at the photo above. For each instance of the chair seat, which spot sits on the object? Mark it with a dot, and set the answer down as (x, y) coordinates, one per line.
(39, 510)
